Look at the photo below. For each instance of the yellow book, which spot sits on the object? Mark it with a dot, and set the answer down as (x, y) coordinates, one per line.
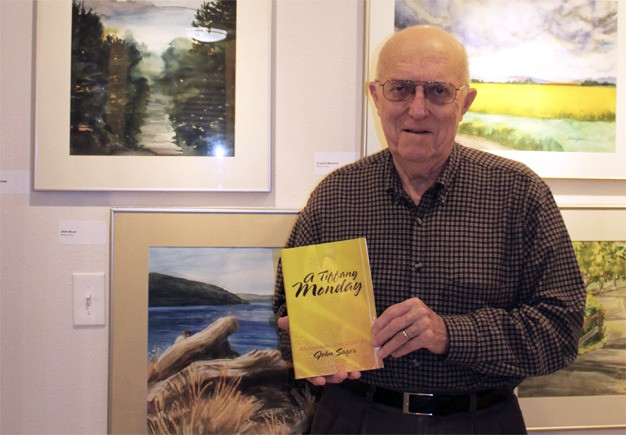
(330, 302)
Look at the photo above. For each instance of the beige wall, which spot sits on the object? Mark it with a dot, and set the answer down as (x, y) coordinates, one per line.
(54, 375)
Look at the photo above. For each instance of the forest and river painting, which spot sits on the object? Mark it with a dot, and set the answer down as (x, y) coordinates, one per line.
(153, 77)
(213, 359)
(546, 72)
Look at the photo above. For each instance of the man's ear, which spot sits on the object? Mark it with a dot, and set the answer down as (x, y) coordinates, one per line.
(469, 99)
(373, 88)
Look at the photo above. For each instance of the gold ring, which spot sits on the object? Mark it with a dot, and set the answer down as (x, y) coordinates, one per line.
(405, 335)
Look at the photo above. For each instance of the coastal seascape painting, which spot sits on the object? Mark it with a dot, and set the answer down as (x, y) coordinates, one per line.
(213, 359)
(193, 342)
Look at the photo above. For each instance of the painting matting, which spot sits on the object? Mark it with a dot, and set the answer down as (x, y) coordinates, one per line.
(248, 170)
(379, 26)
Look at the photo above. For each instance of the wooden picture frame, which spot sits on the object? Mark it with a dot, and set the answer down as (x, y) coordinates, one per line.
(249, 169)
(133, 233)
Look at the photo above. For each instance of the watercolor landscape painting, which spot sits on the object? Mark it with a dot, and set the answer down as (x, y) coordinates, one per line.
(546, 72)
(213, 359)
(600, 368)
(153, 77)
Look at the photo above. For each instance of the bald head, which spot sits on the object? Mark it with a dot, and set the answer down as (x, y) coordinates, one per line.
(420, 130)
(424, 43)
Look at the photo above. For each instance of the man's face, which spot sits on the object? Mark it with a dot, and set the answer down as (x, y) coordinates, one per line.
(418, 130)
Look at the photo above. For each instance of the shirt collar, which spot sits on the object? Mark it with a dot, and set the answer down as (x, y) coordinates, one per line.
(441, 187)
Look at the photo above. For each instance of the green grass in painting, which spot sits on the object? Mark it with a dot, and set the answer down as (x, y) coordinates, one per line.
(509, 137)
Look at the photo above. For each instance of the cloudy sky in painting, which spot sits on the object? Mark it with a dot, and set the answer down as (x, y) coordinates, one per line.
(554, 40)
(238, 270)
(154, 23)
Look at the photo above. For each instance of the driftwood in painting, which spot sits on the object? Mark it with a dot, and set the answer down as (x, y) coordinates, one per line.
(199, 385)
(210, 343)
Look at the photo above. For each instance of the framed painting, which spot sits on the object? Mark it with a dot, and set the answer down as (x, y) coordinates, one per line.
(546, 80)
(170, 96)
(591, 392)
(191, 325)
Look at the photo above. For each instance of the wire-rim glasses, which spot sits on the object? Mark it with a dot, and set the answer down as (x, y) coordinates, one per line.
(436, 92)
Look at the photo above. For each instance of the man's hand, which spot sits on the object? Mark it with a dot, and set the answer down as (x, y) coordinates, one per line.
(283, 323)
(336, 378)
(407, 327)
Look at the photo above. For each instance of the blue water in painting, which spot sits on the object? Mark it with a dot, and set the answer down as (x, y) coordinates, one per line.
(255, 331)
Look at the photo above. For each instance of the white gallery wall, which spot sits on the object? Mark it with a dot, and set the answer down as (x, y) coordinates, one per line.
(53, 375)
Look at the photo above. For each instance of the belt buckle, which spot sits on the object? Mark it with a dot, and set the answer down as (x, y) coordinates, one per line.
(406, 402)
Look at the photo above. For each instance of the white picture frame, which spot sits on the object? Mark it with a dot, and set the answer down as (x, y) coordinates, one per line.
(248, 170)
(584, 223)
(557, 165)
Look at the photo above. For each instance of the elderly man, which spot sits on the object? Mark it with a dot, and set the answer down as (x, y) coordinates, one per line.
(475, 279)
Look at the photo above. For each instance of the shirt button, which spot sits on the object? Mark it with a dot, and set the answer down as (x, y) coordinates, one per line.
(415, 363)
(419, 265)
(419, 221)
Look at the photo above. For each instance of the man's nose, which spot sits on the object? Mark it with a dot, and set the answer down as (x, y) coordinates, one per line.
(418, 102)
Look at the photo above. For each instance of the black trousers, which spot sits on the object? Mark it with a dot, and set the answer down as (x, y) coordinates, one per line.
(342, 412)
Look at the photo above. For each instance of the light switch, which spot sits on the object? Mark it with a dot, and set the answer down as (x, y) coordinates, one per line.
(88, 299)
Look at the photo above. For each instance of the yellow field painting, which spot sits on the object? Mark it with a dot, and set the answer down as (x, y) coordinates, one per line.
(548, 101)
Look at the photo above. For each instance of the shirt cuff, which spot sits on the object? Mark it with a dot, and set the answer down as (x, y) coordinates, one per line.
(462, 340)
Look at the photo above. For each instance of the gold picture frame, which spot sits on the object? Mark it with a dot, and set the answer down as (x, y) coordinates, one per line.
(133, 233)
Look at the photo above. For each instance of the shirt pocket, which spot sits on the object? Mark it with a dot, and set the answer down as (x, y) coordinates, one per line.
(472, 288)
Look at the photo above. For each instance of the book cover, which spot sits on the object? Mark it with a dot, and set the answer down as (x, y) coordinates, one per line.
(330, 302)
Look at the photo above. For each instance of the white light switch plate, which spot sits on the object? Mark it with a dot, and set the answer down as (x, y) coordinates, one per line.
(88, 299)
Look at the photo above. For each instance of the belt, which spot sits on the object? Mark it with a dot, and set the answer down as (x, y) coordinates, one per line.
(428, 404)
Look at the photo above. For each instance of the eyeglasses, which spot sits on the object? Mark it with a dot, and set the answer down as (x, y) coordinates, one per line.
(436, 92)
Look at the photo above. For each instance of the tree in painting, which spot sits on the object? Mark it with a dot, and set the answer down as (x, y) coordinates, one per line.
(108, 94)
(603, 266)
(132, 96)
(201, 88)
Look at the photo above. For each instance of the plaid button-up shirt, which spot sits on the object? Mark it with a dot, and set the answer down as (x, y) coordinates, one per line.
(486, 248)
